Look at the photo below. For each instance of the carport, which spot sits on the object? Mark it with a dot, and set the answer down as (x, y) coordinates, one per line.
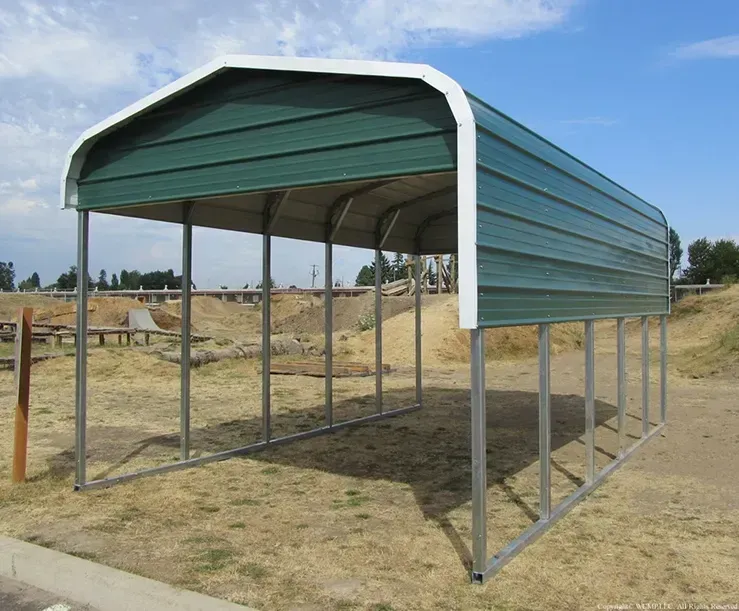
(387, 156)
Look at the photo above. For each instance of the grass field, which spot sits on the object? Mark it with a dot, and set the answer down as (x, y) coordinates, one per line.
(377, 517)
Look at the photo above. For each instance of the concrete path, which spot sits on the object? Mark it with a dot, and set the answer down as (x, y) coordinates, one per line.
(30, 574)
(16, 596)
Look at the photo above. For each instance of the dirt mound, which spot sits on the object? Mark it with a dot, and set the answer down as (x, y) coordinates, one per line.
(444, 342)
(10, 302)
(307, 315)
(167, 321)
(706, 329)
(103, 311)
(211, 316)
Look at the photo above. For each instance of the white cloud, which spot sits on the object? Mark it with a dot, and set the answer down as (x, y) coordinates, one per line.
(19, 206)
(723, 47)
(66, 64)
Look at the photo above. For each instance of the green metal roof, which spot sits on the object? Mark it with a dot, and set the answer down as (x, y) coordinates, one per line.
(415, 164)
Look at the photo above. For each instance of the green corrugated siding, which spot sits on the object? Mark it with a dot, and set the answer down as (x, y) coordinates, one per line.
(556, 240)
(247, 131)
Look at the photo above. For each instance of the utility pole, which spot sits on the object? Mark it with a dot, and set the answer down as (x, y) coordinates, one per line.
(313, 274)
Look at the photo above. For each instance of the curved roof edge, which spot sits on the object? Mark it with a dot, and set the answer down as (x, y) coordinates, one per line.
(456, 99)
(456, 96)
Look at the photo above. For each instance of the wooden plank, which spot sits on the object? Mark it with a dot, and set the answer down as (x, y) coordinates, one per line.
(23, 392)
(318, 369)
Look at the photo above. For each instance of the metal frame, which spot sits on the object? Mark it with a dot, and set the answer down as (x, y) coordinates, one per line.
(274, 202)
(80, 398)
(483, 568)
(545, 425)
(185, 332)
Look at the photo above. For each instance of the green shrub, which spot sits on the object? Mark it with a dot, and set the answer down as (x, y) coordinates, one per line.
(367, 322)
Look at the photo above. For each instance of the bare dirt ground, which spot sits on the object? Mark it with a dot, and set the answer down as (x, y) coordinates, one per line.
(378, 517)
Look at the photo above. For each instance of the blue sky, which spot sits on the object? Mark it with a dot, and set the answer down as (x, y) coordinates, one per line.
(645, 91)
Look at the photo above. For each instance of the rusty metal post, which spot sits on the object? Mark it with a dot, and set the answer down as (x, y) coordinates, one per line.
(23, 334)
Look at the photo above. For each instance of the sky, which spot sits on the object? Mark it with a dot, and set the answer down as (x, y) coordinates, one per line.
(646, 91)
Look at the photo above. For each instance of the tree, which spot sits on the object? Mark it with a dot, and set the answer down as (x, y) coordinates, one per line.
(432, 273)
(700, 263)
(272, 284)
(156, 280)
(399, 272)
(725, 259)
(134, 280)
(366, 276)
(7, 276)
(712, 260)
(102, 283)
(676, 252)
(68, 281)
(386, 269)
(114, 284)
(31, 283)
(124, 280)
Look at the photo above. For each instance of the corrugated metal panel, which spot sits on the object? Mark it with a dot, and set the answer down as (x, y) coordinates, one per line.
(247, 131)
(556, 240)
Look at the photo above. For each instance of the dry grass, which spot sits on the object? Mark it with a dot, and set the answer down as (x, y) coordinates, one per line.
(378, 517)
(707, 329)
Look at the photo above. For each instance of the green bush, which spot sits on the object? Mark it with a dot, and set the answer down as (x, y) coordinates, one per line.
(367, 322)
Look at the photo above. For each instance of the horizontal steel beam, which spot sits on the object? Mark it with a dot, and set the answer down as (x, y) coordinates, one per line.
(531, 534)
(250, 449)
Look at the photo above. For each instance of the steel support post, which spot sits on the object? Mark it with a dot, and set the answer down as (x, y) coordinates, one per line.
(663, 369)
(80, 446)
(185, 335)
(378, 331)
(621, 367)
(478, 426)
(266, 333)
(538, 528)
(644, 376)
(419, 357)
(545, 426)
(589, 401)
(329, 330)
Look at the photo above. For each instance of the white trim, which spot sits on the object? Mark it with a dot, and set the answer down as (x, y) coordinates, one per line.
(456, 98)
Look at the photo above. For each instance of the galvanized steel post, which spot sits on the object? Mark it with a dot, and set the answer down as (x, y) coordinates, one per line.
(545, 426)
(589, 401)
(644, 376)
(419, 357)
(328, 303)
(266, 332)
(185, 333)
(378, 330)
(621, 366)
(478, 427)
(80, 421)
(663, 369)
